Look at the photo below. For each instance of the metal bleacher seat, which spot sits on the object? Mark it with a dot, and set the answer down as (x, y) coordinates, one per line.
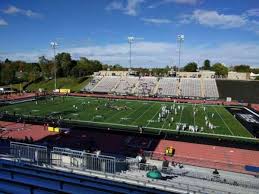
(190, 87)
(106, 84)
(211, 89)
(168, 87)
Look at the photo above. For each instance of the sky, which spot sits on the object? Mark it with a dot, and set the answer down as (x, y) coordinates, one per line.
(225, 31)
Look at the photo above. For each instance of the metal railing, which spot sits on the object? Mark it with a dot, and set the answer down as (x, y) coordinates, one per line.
(65, 157)
(62, 157)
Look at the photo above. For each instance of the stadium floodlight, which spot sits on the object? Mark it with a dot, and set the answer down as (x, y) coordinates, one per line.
(130, 41)
(180, 39)
(54, 46)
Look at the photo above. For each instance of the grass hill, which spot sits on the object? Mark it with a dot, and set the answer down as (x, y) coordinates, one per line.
(75, 84)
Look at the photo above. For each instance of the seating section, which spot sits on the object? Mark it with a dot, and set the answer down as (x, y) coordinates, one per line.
(106, 84)
(146, 86)
(168, 87)
(210, 88)
(92, 84)
(149, 86)
(126, 85)
(190, 87)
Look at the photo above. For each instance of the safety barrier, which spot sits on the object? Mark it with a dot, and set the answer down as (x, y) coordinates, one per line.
(82, 160)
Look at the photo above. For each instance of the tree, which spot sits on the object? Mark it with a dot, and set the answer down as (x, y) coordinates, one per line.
(220, 69)
(46, 66)
(7, 61)
(242, 68)
(191, 67)
(206, 65)
(63, 64)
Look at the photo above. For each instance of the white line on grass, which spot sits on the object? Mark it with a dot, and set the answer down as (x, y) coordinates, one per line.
(143, 113)
(223, 121)
(165, 121)
(128, 115)
(154, 116)
(193, 114)
(208, 118)
(181, 116)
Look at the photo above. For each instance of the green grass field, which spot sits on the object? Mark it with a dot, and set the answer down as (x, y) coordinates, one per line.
(129, 113)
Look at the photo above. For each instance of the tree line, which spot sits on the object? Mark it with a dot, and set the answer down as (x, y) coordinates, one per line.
(219, 68)
(12, 72)
(20, 71)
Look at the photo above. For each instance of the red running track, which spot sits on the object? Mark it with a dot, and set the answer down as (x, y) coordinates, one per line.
(19, 131)
(224, 158)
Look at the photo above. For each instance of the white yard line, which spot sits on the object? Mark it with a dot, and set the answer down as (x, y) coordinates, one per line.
(164, 122)
(223, 121)
(209, 120)
(128, 115)
(154, 116)
(181, 115)
(143, 113)
(193, 115)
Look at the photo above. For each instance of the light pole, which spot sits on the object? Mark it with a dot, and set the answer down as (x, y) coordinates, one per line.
(20, 83)
(180, 39)
(130, 41)
(54, 46)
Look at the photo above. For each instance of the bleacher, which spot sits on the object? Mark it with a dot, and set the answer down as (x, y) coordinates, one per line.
(146, 86)
(126, 85)
(153, 86)
(168, 87)
(190, 87)
(92, 84)
(106, 84)
(210, 88)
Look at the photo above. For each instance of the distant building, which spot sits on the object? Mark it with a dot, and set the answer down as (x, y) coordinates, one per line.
(114, 73)
(254, 76)
(238, 75)
(199, 74)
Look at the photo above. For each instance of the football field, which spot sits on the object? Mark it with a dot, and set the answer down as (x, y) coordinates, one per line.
(149, 115)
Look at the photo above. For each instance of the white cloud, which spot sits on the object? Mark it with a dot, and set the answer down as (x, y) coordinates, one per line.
(115, 5)
(156, 21)
(3, 22)
(131, 7)
(12, 10)
(156, 54)
(190, 2)
(222, 21)
(215, 19)
(253, 12)
(186, 2)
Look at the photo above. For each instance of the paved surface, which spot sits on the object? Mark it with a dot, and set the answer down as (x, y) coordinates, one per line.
(20, 131)
(219, 157)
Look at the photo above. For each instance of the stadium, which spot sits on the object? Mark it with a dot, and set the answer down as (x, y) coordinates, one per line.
(184, 121)
(95, 111)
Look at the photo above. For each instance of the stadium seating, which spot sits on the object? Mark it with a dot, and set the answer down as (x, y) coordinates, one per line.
(126, 85)
(149, 86)
(92, 84)
(190, 87)
(211, 90)
(168, 87)
(106, 84)
(146, 86)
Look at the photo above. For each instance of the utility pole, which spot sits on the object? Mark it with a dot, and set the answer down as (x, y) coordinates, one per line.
(54, 46)
(130, 41)
(180, 39)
